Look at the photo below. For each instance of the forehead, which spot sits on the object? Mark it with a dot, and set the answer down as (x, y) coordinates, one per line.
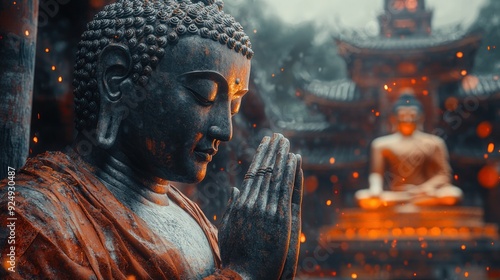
(193, 53)
(407, 110)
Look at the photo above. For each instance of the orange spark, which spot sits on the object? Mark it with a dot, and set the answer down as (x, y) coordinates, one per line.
(491, 147)
(302, 237)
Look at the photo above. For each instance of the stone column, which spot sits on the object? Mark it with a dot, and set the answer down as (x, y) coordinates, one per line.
(18, 29)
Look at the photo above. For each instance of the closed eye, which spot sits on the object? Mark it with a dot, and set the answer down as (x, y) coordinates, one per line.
(199, 97)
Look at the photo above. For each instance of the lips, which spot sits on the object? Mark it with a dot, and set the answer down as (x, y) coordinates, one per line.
(205, 154)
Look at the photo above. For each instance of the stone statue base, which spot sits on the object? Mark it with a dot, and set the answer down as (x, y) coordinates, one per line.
(411, 222)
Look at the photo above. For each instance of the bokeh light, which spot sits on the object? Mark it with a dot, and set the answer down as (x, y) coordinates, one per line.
(488, 176)
(483, 130)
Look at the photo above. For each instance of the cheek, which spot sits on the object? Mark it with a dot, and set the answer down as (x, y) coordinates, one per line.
(155, 147)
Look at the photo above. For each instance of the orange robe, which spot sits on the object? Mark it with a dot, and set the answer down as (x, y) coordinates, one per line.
(70, 226)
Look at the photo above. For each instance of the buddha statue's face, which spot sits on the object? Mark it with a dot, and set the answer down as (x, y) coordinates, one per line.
(190, 99)
(407, 118)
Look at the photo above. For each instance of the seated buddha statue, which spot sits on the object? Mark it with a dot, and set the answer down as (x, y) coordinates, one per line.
(413, 164)
(156, 85)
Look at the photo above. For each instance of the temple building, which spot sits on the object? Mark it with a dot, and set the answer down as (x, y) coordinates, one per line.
(459, 106)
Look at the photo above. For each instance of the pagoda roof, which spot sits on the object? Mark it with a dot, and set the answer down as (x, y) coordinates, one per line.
(484, 86)
(337, 92)
(320, 158)
(355, 42)
(304, 127)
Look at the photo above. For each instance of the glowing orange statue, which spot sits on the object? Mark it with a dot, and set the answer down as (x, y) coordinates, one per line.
(414, 163)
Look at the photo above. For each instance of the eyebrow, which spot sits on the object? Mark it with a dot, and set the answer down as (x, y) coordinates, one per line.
(212, 75)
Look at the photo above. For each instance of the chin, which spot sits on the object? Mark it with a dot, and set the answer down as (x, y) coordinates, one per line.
(194, 177)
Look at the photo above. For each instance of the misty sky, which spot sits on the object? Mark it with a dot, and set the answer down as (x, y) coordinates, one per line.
(363, 13)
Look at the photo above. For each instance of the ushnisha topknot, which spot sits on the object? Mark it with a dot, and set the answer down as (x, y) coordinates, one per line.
(407, 99)
(147, 27)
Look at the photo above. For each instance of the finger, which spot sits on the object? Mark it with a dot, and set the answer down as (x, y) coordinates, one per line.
(292, 257)
(286, 187)
(267, 164)
(268, 184)
(230, 205)
(252, 170)
(298, 185)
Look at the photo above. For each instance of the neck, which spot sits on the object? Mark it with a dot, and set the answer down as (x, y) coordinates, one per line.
(407, 135)
(123, 177)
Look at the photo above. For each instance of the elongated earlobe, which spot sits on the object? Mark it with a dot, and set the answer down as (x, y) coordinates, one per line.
(113, 72)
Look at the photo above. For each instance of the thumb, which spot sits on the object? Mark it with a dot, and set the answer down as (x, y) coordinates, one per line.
(235, 193)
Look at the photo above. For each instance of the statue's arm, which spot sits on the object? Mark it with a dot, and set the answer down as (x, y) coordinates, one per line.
(377, 169)
(438, 167)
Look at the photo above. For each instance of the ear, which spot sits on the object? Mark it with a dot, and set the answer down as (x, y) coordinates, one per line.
(113, 80)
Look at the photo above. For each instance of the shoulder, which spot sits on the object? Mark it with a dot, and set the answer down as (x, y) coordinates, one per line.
(384, 141)
(431, 140)
(38, 196)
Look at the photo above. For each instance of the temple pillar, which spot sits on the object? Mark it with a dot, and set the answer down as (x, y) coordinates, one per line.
(18, 30)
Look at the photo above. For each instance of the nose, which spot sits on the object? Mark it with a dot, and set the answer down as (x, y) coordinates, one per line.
(222, 128)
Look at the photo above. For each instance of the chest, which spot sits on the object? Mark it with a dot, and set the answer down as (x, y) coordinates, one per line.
(413, 153)
(180, 229)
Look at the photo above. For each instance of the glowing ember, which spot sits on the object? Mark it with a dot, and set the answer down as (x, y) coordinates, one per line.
(27, 33)
(386, 87)
(463, 72)
(328, 202)
(332, 160)
(215, 217)
(35, 139)
(334, 178)
(483, 130)
(355, 175)
(60, 79)
(302, 237)
(463, 247)
(311, 184)
(47, 50)
(460, 54)
(354, 276)
(451, 104)
(488, 176)
(491, 147)
(53, 68)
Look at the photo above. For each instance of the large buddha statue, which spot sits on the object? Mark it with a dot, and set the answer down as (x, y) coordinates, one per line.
(413, 164)
(156, 84)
